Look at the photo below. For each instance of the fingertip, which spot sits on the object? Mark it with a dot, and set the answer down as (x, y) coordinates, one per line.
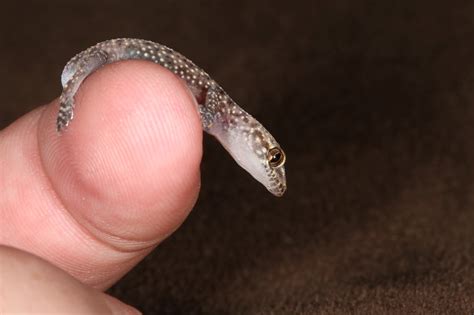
(127, 166)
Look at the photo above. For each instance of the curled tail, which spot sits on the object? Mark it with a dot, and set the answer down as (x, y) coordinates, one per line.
(76, 70)
(89, 60)
(86, 62)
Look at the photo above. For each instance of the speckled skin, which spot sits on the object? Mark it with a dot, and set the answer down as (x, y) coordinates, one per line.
(251, 145)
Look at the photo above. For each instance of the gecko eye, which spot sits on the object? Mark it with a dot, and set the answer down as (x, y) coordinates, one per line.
(276, 157)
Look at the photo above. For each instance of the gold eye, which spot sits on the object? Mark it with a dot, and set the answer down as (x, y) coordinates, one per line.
(276, 157)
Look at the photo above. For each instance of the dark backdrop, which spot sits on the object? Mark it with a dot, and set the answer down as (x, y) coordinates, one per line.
(373, 102)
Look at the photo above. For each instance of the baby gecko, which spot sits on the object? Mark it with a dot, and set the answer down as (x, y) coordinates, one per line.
(247, 141)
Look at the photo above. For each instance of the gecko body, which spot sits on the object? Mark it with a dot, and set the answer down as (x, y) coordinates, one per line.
(248, 142)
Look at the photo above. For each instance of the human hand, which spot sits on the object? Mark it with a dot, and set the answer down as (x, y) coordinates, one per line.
(96, 199)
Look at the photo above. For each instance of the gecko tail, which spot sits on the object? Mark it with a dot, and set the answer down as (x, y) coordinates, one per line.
(65, 115)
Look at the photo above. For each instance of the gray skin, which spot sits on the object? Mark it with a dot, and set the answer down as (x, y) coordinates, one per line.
(249, 143)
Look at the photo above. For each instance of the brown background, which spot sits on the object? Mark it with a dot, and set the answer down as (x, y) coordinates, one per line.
(373, 102)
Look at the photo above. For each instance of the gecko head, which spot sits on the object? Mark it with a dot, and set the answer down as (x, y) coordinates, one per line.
(275, 159)
(255, 150)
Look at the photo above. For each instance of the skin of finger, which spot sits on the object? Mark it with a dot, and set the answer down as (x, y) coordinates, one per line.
(97, 198)
(136, 136)
(31, 285)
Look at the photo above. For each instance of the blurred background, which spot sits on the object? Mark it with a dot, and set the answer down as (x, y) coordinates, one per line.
(373, 103)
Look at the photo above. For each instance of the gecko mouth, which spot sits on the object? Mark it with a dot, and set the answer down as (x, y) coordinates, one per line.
(279, 190)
